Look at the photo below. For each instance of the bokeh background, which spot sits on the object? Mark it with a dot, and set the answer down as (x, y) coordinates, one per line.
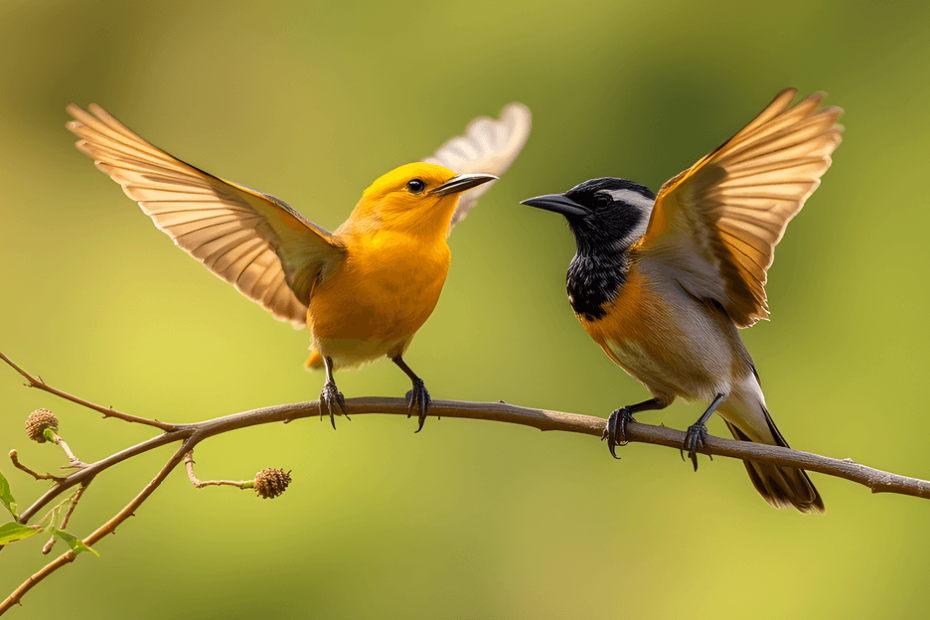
(311, 102)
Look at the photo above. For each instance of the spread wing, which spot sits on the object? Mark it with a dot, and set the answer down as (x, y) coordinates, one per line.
(268, 251)
(489, 146)
(716, 224)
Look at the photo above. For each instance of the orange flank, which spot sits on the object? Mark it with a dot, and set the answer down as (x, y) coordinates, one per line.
(638, 325)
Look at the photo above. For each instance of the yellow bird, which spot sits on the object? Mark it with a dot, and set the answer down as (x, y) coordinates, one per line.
(363, 290)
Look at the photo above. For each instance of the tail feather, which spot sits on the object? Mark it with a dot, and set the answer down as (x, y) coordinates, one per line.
(780, 486)
(315, 361)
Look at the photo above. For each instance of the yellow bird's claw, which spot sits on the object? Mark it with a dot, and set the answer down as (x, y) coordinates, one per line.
(418, 397)
(330, 398)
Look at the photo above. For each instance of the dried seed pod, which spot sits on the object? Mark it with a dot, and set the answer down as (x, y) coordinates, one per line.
(38, 421)
(270, 483)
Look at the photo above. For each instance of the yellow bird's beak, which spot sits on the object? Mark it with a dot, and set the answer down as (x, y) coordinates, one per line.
(461, 183)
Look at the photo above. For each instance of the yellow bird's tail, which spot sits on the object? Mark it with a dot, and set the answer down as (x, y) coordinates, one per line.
(315, 361)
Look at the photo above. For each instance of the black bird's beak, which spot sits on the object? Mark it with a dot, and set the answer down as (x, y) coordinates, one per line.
(557, 203)
(461, 183)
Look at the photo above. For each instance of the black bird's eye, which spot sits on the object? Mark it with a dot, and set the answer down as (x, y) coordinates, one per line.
(602, 200)
(416, 186)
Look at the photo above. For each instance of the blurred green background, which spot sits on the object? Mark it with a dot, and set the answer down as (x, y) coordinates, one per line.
(311, 102)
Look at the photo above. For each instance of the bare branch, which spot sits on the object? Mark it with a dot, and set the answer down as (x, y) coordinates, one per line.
(876, 480)
(189, 464)
(108, 412)
(14, 456)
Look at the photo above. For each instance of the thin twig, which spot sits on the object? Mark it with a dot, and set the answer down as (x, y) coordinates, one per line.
(108, 412)
(14, 456)
(189, 464)
(64, 522)
(76, 463)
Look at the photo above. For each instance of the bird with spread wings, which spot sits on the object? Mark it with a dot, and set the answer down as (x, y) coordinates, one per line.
(365, 289)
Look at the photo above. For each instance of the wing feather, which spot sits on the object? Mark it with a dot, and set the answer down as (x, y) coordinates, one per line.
(489, 146)
(716, 224)
(268, 251)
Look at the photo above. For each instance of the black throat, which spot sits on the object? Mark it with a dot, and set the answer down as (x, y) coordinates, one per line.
(594, 279)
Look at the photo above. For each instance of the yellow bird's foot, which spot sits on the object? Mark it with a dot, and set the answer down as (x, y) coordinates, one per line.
(615, 433)
(330, 398)
(418, 398)
(694, 439)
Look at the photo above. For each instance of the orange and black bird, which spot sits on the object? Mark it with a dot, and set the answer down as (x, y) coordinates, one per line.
(363, 290)
(663, 283)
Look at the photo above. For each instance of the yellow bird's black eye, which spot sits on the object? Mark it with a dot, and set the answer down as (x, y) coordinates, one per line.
(416, 186)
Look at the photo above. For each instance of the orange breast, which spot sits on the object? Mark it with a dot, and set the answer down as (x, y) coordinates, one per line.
(632, 315)
(385, 289)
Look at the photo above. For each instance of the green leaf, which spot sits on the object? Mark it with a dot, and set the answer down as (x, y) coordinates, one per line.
(48, 520)
(77, 545)
(6, 498)
(55, 515)
(11, 532)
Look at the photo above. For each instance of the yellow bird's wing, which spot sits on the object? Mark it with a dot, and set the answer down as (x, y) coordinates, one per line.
(489, 147)
(267, 250)
(716, 225)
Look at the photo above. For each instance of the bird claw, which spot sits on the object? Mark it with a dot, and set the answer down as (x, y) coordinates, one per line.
(330, 398)
(694, 440)
(617, 422)
(418, 397)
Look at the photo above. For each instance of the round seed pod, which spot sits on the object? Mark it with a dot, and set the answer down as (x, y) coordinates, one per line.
(38, 421)
(270, 483)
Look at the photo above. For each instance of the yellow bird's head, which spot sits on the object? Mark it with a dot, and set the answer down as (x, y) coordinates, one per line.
(416, 198)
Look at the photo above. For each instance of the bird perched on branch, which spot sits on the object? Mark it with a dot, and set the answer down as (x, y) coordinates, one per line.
(662, 283)
(363, 290)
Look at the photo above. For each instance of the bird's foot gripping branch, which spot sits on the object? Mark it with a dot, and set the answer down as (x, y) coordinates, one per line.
(60, 501)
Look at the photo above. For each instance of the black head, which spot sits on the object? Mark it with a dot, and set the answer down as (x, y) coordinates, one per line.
(602, 213)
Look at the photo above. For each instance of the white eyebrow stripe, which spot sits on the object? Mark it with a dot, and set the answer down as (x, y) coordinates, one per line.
(630, 197)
